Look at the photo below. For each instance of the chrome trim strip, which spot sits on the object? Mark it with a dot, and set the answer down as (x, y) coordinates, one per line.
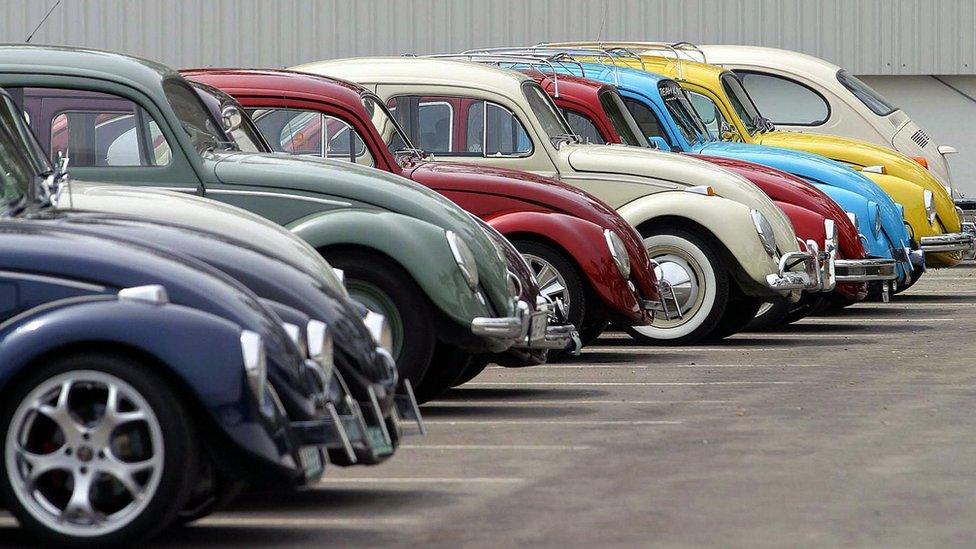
(279, 195)
(53, 280)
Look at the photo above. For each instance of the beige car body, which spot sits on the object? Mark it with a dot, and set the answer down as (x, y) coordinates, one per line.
(847, 116)
(642, 184)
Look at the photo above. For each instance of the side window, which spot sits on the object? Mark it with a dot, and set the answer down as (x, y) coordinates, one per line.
(584, 127)
(94, 129)
(461, 126)
(785, 101)
(709, 113)
(647, 121)
(311, 133)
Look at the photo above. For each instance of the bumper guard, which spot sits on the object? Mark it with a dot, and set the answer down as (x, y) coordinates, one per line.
(949, 242)
(811, 278)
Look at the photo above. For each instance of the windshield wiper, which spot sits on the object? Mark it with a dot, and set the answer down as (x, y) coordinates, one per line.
(411, 153)
(565, 138)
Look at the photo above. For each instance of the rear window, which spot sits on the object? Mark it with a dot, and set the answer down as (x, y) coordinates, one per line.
(871, 98)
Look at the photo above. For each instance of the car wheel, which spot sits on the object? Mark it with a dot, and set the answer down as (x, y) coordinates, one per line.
(96, 449)
(557, 276)
(770, 315)
(700, 280)
(917, 273)
(384, 287)
(447, 366)
(591, 331)
(213, 492)
(740, 311)
(472, 370)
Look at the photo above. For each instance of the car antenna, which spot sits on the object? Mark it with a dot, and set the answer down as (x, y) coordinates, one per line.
(39, 25)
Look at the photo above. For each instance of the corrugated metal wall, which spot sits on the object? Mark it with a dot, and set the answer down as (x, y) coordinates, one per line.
(866, 36)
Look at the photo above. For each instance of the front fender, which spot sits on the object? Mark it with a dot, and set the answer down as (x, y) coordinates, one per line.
(202, 351)
(808, 224)
(911, 198)
(584, 244)
(728, 221)
(419, 247)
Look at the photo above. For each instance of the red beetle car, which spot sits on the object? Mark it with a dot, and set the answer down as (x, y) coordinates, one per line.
(806, 206)
(581, 251)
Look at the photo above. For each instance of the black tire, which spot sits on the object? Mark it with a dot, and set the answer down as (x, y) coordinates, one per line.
(575, 288)
(782, 312)
(591, 331)
(917, 273)
(738, 314)
(701, 320)
(213, 492)
(179, 455)
(472, 370)
(771, 314)
(376, 280)
(447, 366)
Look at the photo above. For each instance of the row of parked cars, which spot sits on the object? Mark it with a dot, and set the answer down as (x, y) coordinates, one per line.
(249, 274)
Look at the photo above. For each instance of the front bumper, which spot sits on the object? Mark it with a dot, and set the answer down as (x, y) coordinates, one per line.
(817, 274)
(866, 270)
(949, 242)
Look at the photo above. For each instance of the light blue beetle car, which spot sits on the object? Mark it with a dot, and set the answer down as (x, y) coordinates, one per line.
(665, 113)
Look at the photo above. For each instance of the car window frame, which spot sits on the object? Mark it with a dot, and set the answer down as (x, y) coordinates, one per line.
(816, 92)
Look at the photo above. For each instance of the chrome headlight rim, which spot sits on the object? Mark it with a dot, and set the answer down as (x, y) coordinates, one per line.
(876, 225)
(255, 358)
(619, 253)
(928, 199)
(831, 236)
(297, 336)
(380, 330)
(765, 232)
(464, 258)
(321, 345)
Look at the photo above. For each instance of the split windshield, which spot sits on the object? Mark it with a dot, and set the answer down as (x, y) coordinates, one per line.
(683, 113)
(744, 108)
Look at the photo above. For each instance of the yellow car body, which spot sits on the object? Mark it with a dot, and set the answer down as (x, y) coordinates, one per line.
(903, 179)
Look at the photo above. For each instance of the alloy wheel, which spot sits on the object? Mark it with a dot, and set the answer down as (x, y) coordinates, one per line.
(551, 282)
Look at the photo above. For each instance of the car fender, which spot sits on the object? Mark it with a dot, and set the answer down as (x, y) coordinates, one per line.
(198, 349)
(584, 244)
(419, 247)
(808, 224)
(728, 221)
(912, 199)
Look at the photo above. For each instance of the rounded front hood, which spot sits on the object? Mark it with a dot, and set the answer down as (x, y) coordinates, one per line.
(863, 153)
(783, 187)
(345, 181)
(201, 214)
(682, 171)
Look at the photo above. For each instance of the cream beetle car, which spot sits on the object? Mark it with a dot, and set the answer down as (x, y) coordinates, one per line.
(721, 244)
(799, 92)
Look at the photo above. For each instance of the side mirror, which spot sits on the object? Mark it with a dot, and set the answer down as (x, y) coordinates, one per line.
(659, 143)
(231, 118)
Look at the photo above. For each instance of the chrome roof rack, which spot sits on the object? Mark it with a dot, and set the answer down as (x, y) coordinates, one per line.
(676, 49)
(488, 57)
(565, 55)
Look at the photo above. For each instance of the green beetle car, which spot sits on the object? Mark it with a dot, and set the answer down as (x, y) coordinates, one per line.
(406, 251)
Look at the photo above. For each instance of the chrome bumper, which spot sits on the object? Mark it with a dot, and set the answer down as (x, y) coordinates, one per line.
(866, 270)
(817, 274)
(949, 242)
(547, 329)
(406, 408)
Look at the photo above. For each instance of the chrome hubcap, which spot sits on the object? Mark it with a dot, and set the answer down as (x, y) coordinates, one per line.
(551, 283)
(685, 276)
(84, 453)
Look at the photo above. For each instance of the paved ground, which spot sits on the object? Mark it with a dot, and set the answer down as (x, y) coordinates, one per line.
(855, 428)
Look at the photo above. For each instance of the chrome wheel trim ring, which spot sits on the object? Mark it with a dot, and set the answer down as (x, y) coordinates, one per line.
(685, 275)
(86, 454)
(551, 281)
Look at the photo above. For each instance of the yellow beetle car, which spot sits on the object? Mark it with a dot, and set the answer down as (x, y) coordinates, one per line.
(930, 214)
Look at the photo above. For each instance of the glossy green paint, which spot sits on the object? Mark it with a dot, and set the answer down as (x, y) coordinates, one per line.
(326, 202)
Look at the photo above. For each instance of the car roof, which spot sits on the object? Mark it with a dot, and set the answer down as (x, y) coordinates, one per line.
(786, 60)
(250, 81)
(421, 70)
(83, 62)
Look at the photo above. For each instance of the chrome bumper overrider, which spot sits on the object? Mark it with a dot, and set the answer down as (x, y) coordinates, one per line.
(950, 242)
(818, 274)
(528, 330)
(866, 270)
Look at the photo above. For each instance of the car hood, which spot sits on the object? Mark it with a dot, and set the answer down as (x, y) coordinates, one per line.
(337, 180)
(783, 187)
(266, 276)
(682, 171)
(198, 213)
(863, 153)
(817, 169)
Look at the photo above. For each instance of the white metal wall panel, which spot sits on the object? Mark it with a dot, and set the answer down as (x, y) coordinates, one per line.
(866, 36)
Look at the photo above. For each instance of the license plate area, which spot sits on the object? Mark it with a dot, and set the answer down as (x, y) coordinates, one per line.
(311, 458)
(378, 441)
(538, 323)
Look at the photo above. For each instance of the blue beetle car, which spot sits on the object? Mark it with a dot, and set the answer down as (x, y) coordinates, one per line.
(666, 115)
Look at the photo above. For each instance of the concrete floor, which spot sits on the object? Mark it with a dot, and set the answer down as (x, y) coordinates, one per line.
(854, 428)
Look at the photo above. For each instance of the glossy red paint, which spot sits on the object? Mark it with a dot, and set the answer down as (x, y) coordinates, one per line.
(518, 204)
(805, 205)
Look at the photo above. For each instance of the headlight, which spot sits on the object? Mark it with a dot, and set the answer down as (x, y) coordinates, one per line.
(380, 330)
(619, 252)
(255, 364)
(464, 259)
(929, 200)
(765, 231)
(320, 345)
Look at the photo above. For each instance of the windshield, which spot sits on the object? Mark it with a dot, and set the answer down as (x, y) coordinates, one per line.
(555, 126)
(11, 118)
(684, 115)
(17, 172)
(868, 95)
(620, 117)
(246, 136)
(204, 131)
(383, 121)
(741, 102)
